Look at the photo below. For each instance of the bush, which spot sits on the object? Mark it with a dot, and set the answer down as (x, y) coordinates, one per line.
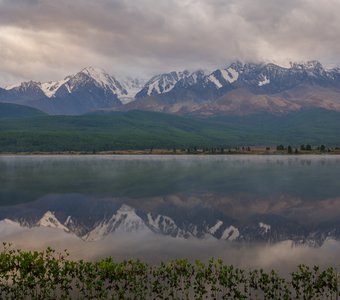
(51, 275)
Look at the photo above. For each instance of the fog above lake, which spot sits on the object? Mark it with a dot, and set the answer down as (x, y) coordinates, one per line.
(284, 256)
(239, 186)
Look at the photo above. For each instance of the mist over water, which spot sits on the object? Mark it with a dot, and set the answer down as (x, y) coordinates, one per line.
(292, 194)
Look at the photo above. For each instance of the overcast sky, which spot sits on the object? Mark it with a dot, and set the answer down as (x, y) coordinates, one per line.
(49, 39)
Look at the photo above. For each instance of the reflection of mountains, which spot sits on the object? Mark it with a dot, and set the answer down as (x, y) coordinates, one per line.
(94, 220)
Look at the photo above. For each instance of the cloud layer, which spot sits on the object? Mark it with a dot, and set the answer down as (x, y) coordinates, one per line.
(283, 256)
(46, 39)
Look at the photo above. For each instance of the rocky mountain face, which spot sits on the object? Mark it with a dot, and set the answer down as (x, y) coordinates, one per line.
(126, 219)
(88, 90)
(246, 89)
(239, 89)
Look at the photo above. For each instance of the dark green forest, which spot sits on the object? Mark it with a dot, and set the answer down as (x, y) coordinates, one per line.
(27, 130)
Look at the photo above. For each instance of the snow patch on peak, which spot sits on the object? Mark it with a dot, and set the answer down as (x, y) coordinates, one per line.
(264, 81)
(97, 74)
(51, 87)
(231, 233)
(216, 227)
(100, 79)
(125, 209)
(309, 65)
(10, 222)
(164, 83)
(215, 81)
(50, 220)
(68, 221)
(23, 86)
(164, 225)
(12, 86)
(132, 87)
(230, 74)
(265, 227)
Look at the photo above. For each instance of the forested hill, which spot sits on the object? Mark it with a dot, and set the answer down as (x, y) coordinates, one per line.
(9, 110)
(145, 130)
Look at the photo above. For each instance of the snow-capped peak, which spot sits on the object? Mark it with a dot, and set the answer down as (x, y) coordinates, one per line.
(126, 209)
(309, 65)
(98, 74)
(222, 77)
(10, 222)
(100, 78)
(162, 83)
(132, 86)
(50, 88)
(50, 220)
(165, 225)
(12, 86)
(265, 227)
(23, 86)
(90, 74)
(124, 220)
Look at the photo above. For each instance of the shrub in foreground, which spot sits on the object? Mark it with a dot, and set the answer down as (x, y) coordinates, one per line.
(51, 275)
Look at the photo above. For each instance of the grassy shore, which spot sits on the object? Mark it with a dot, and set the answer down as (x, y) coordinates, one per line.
(252, 151)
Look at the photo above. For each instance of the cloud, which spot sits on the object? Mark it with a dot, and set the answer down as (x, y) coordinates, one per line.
(283, 256)
(46, 39)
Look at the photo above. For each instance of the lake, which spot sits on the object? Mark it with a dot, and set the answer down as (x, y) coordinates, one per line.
(263, 211)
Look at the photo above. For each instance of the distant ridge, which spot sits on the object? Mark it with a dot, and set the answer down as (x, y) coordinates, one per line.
(239, 89)
(9, 110)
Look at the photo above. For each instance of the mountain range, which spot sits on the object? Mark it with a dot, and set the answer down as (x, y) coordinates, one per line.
(127, 219)
(239, 89)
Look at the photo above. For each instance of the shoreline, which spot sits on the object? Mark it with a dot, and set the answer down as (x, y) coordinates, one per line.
(171, 152)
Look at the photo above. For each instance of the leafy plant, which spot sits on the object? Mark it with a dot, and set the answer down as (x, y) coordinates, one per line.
(51, 275)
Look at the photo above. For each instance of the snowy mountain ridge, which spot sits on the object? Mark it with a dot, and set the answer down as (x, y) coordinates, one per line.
(240, 88)
(98, 76)
(126, 220)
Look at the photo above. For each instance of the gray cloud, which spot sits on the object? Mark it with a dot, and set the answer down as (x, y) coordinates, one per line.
(46, 39)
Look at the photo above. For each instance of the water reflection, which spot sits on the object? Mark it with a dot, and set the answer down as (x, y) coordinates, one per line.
(254, 199)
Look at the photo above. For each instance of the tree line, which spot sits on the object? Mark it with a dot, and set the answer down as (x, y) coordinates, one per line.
(303, 148)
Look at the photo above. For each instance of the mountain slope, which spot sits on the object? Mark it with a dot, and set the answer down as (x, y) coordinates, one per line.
(145, 130)
(9, 110)
(88, 90)
(127, 220)
(238, 89)
(242, 89)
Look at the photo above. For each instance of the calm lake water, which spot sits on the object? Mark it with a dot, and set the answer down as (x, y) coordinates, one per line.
(249, 210)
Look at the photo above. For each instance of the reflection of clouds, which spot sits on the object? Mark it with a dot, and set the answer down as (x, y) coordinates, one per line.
(152, 248)
(323, 210)
(239, 206)
(242, 206)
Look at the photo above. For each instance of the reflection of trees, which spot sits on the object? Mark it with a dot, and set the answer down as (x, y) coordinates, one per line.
(305, 162)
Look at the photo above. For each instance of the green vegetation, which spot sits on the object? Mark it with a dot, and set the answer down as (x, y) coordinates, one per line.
(49, 275)
(8, 110)
(151, 130)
